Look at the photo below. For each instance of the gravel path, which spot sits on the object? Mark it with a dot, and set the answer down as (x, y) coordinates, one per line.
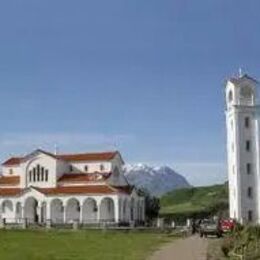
(191, 248)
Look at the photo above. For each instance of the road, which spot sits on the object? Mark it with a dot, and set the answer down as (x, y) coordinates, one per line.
(191, 248)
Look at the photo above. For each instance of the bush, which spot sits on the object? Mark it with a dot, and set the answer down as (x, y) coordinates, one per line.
(227, 245)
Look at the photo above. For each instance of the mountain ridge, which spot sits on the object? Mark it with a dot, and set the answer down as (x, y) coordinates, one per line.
(158, 180)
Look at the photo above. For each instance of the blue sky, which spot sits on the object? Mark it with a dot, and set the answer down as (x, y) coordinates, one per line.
(145, 77)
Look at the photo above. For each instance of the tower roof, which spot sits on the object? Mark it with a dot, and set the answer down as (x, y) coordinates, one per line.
(237, 80)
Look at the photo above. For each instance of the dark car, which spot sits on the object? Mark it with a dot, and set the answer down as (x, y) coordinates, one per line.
(210, 227)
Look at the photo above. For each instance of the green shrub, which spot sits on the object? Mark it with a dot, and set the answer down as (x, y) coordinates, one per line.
(227, 245)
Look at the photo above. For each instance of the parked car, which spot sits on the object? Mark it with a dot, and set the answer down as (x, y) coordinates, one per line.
(227, 225)
(210, 227)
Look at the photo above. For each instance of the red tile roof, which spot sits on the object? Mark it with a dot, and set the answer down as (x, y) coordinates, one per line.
(106, 156)
(83, 177)
(103, 156)
(13, 161)
(9, 180)
(90, 189)
(72, 190)
(10, 191)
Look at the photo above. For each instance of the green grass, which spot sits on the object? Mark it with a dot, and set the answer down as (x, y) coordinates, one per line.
(66, 245)
(194, 200)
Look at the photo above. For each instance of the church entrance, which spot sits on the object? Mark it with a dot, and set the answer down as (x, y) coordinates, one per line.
(30, 210)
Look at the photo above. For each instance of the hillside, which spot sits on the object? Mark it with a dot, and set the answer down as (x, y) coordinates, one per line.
(195, 201)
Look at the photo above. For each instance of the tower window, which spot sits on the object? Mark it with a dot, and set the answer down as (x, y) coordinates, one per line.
(248, 168)
(230, 96)
(248, 145)
(247, 122)
(250, 215)
(249, 192)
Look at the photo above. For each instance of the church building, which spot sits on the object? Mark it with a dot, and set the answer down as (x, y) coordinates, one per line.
(87, 188)
(243, 148)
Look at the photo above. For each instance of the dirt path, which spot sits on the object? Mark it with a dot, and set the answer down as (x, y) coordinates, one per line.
(191, 248)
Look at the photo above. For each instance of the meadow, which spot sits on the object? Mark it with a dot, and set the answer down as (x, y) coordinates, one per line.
(78, 245)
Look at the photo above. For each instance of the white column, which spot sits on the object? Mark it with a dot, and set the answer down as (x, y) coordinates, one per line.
(116, 203)
(23, 211)
(48, 210)
(81, 213)
(98, 211)
(64, 212)
(39, 213)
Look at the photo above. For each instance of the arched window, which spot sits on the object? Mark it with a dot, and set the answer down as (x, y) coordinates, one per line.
(34, 174)
(246, 92)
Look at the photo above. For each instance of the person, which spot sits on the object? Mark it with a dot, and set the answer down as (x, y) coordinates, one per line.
(193, 226)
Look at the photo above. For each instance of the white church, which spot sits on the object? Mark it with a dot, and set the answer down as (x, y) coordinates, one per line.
(87, 188)
(243, 148)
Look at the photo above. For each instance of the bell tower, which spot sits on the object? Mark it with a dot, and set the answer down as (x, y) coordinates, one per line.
(243, 148)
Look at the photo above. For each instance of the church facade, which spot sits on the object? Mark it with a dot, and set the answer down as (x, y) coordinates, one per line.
(243, 148)
(87, 188)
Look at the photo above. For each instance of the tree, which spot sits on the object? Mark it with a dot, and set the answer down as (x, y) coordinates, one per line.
(152, 205)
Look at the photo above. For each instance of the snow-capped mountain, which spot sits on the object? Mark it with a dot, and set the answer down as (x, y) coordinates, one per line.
(157, 180)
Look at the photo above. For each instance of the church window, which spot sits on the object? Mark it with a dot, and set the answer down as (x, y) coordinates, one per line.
(71, 168)
(249, 192)
(250, 215)
(247, 122)
(11, 171)
(86, 168)
(42, 174)
(248, 168)
(37, 174)
(102, 167)
(248, 145)
(46, 175)
(34, 174)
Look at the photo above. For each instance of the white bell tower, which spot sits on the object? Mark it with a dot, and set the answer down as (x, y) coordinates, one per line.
(242, 122)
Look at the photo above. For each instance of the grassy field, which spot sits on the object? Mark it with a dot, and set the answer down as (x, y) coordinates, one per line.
(196, 199)
(66, 245)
